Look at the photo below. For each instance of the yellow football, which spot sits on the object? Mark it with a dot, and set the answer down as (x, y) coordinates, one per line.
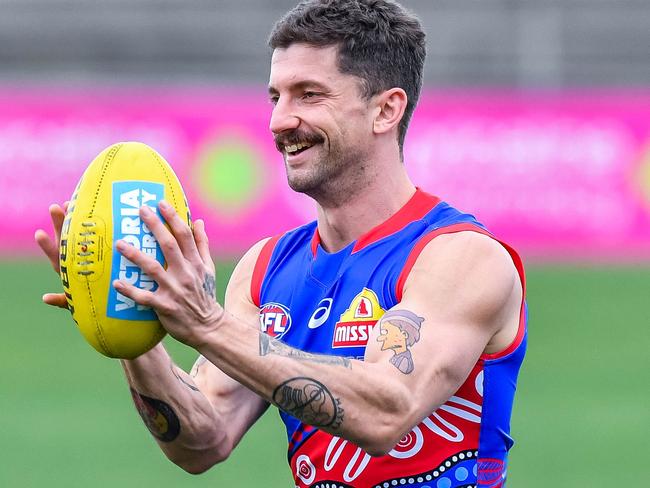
(103, 209)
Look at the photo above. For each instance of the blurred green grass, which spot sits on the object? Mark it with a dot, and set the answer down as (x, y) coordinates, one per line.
(581, 414)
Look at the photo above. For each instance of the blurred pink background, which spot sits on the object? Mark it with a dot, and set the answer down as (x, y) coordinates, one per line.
(558, 176)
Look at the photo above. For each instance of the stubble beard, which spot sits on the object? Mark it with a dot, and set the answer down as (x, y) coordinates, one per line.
(330, 176)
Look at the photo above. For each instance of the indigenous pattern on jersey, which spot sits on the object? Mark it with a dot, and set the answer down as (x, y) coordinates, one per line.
(327, 303)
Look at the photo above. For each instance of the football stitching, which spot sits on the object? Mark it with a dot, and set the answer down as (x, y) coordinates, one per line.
(98, 328)
(86, 252)
(163, 166)
(107, 161)
(156, 339)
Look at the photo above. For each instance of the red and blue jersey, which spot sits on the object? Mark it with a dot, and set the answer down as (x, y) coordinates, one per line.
(327, 303)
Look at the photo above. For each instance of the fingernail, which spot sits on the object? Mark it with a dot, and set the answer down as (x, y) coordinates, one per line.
(117, 284)
(164, 205)
(120, 245)
(146, 209)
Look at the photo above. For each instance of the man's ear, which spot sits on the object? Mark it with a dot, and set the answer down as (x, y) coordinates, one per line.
(391, 106)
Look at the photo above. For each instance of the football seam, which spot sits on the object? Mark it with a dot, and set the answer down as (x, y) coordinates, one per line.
(165, 172)
(155, 340)
(107, 162)
(98, 329)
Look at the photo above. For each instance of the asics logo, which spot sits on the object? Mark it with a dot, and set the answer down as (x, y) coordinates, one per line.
(321, 314)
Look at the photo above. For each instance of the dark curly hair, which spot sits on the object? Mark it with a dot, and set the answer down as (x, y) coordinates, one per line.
(379, 41)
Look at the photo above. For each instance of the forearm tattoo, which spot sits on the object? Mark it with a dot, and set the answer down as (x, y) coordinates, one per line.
(197, 365)
(181, 379)
(158, 416)
(268, 345)
(210, 286)
(398, 331)
(309, 401)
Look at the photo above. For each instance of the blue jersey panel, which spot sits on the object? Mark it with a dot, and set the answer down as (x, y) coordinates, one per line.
(327, 303)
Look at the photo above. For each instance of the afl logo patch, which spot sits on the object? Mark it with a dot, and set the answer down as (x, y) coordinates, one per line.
(275, 319)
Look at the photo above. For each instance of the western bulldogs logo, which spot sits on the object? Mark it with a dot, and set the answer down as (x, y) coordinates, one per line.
(275, 319)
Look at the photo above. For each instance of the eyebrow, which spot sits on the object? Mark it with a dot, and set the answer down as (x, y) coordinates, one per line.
(301, 85)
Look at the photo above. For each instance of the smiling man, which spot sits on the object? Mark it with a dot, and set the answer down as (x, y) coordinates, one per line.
(392, 328)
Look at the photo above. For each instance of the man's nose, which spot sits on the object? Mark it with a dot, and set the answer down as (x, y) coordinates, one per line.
(283, 118)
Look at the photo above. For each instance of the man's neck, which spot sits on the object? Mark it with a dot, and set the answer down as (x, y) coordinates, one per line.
(374, 203)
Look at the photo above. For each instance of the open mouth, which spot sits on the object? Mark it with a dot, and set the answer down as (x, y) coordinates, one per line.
(295, 149)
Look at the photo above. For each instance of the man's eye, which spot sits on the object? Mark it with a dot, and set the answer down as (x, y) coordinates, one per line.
(274, 100)
(310, 94)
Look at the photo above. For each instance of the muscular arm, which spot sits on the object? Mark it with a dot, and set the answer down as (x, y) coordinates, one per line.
(462, 296)
(197, 418)
(474, 296)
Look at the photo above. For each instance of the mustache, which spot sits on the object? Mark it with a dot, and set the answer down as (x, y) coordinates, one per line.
(290, 138)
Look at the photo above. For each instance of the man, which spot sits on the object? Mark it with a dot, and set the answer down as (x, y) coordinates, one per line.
(383, 258)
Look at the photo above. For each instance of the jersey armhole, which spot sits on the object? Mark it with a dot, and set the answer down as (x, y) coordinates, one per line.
(261, 265)
(516, 259)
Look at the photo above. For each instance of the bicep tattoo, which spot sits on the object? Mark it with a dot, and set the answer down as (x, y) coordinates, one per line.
(158, 416)
(268, 346)
(309, 401)
(398, 331)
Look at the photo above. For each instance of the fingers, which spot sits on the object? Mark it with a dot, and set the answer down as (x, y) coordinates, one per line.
(49, 247)
(166, 240)
(202, 243)
(143, 297)
(181, 232)
(57, 214)
(146, 263)
(56, 300)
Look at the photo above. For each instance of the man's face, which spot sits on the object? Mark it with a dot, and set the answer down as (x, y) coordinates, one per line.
(320, 122)
(392, 338)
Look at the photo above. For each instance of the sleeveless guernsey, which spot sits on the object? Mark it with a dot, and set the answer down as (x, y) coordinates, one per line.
(326, 303)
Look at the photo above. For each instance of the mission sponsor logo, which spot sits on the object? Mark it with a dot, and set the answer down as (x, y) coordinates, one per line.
(275, 319)
(354, 326)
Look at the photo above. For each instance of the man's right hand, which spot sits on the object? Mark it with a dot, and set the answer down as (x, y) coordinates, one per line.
(51, 249)
(213, 411)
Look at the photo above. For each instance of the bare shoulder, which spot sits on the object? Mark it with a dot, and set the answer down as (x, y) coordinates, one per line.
(470, 275)
(463, 255)
(240, 280)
